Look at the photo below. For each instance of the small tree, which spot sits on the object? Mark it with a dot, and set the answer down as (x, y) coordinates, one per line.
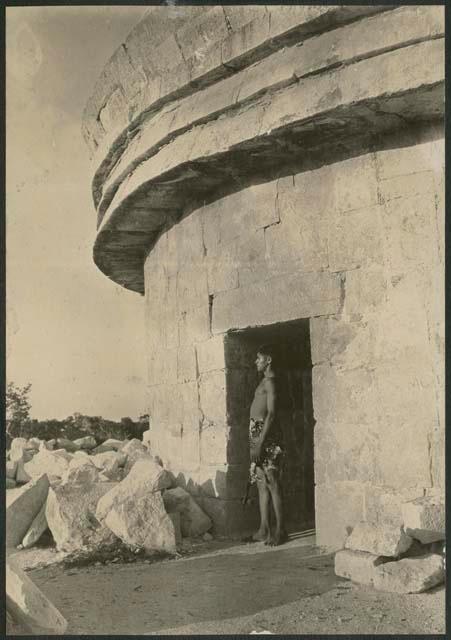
(17, 408)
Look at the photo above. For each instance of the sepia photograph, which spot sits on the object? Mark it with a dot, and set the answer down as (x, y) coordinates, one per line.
(225, 319)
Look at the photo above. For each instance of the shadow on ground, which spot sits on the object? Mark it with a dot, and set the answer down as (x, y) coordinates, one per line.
(141, 598)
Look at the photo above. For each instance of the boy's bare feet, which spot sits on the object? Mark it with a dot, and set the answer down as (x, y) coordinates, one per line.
(277, 538)
(259, 536)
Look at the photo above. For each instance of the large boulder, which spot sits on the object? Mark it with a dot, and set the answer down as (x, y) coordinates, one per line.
(37, 528)
(357, 566)
(28, 606)
(81, 470)
(54, 463)
(110, 463)
(410, 575)
(70, 514)
(35, 443)
(145, 478)
(22, 506)
(22, 477)
(378, 539)
(18, 445)
(67, 445)
(424, 518)
(193, 521)
(110, 445)
(88, 443)
(11, 467)
(142, 521)
(134, 450)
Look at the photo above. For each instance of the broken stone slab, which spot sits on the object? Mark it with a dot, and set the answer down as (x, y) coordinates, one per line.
(37, 528)
(378, 539)
(54, 463)
(81, 470)
(110, 445)
(70, 514)
(11, 467)
(88, 442)
(357, 566)
(67, 445)
(175, 518)
(145, 478)
(193, 521)
(143, 522)
(424, 518)
(22, 477)
(410, 575)
(110, 463)
(28, 606)
(22, 507)
(134, 450)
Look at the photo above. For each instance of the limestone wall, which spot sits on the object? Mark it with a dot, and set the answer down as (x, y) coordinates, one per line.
(357, 247)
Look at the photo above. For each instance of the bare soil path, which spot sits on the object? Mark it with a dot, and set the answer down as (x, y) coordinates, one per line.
(230, 588)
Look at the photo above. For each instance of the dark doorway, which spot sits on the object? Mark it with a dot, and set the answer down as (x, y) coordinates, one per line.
(294, 372)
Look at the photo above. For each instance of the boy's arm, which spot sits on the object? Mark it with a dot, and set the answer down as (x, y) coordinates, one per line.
(271, 399)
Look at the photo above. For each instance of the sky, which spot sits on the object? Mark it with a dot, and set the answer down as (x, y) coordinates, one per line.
(77, 337)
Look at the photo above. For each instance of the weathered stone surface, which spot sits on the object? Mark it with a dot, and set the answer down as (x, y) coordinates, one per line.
(210, 354)
(357, 566)
(193, 521)
(70, 514)
(145, 477)
(110, 445)
(18, 444)
(147, 439)
(11, 467)
(110, 463)
(134, 450)
(378, 540)
(54, 463)
(141, 520)
(67, 445)
(37, 528)
(29, 606)
(22, 477)
(87, 442)
(345, 501)
(410, 575)
(81, 470)
(424, 518)
(175, 518)
(10, 484)
(22, 506)
(288, 298)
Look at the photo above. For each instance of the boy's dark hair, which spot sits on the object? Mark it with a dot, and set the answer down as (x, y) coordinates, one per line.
(268, 350)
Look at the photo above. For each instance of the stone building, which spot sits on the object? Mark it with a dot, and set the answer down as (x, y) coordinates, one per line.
(277, 173)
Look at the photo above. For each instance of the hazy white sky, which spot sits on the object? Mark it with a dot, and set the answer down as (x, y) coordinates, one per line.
(71, 332)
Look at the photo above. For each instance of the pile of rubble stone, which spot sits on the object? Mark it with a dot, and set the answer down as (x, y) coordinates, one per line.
(407, 558)
(89, 495)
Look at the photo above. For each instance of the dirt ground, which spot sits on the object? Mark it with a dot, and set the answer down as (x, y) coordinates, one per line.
(231, 588)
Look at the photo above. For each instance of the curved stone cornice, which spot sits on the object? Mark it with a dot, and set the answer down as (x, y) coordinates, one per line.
(294, 107)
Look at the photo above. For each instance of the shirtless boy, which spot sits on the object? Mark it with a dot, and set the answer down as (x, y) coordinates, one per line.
(266, 450)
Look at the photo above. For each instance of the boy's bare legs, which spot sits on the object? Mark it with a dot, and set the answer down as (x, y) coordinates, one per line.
(263, 499)
(275, 490)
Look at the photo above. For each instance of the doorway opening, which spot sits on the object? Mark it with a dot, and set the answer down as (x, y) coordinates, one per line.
(291, 341)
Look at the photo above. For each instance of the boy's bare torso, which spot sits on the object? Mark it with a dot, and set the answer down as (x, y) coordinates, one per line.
(259, 406)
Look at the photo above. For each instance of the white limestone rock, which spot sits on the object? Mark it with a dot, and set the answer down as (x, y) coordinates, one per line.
(54, 463)
(357, 566)
(424, 518)
(67, 445)
(147, 439)
(22, 507)
(410, 575)
(110, 463)
(142, 521)
(145, 478)
(378, 539)
(22, 477)
(70, 514)
(110, 445)
(81, 470)
(134, 450)
(28, 606)
(193, 521)
(88, 443)
(11, 467)
(37, 528)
